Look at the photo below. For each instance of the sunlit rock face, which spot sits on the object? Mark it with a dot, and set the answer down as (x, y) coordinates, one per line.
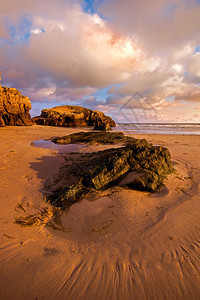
(74, 116)
(14, 108)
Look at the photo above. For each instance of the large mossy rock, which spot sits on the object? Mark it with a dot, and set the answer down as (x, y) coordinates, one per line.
(100, 170)
(74, 116)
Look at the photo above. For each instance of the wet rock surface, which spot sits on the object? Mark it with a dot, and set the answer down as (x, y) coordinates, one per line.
(84, 172)
(74, 116)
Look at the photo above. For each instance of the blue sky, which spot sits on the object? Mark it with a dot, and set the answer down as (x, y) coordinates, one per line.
(88, 6)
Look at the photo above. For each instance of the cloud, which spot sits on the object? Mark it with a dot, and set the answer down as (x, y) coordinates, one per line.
(160, 25)
(65, 52)
(59, 52)
(82, 50)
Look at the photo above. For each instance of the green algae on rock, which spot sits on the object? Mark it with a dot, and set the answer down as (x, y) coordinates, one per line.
(103, 169)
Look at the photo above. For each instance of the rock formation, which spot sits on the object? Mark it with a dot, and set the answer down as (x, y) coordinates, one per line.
(93, 138)
(74, 116)
(14, 108)
(94, 171)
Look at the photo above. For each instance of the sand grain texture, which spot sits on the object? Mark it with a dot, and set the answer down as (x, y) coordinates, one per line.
(117, 244)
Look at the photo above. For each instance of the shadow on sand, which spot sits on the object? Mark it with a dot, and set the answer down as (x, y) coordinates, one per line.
(47, 165)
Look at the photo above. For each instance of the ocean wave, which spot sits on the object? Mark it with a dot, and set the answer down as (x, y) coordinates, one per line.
(169, 128)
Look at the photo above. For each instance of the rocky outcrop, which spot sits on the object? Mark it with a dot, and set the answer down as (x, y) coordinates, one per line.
(93, 138)
(103, 169)
(74, 116)
(14, 108)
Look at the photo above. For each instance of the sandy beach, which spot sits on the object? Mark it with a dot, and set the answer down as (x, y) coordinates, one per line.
(116, 244)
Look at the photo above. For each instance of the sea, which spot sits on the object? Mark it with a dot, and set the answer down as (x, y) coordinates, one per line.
(159, 128)
(130, 128)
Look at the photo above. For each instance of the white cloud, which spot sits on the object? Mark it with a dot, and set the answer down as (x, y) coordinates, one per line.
(36, 31)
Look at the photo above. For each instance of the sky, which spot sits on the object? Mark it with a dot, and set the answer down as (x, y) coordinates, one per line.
(136, 61)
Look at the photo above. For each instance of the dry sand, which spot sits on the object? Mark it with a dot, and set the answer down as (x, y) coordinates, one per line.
(117, 244)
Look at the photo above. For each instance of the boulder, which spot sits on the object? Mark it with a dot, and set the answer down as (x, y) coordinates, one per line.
(149, 181)
(14, 108)
(74, 116)
(102, 125)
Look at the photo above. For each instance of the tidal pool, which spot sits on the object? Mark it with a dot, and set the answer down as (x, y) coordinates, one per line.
(58, 147)
(61, 148)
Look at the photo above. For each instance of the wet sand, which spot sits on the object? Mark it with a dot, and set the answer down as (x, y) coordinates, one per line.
(117, 244)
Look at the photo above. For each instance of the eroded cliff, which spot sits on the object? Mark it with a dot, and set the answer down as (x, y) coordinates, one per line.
(14, 107)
